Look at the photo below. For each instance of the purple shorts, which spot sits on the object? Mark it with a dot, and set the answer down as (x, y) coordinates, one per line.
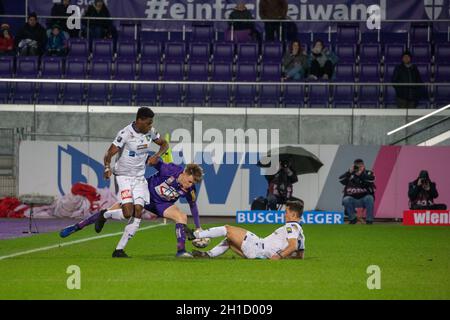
(158, 208)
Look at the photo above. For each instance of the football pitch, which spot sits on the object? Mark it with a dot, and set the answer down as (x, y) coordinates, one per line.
(414, 264)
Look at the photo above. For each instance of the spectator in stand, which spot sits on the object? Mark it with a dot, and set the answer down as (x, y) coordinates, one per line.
(359, 191)
(57, 42)
(242, 29)
(272, 10)
(406, 72)
(295, 62)
(321, 62)
(6, 41)
(422, 192)
(60, 10)
(32, 38)
(99, 28)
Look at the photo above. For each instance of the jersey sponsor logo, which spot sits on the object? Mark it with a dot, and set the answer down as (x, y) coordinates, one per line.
(167, 192)
(170, 180)
(131, 153)
(119, 139)
(289, 230)
(295, 227)
(147, 137)
(126, 194)
(193, 195)
(142, 146)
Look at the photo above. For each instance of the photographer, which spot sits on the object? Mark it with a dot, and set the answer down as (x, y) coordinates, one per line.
(422, 192)
(359, 191)
(280, 185)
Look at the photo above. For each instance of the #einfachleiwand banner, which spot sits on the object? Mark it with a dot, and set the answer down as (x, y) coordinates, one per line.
(302, 10)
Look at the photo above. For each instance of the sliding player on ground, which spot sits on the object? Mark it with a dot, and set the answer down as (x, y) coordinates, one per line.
(287, 241)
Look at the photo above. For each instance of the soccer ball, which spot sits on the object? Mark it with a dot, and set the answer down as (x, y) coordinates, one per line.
(201, 243)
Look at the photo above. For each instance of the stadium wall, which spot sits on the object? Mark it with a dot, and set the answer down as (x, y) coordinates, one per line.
(296, 126)
(230, 187)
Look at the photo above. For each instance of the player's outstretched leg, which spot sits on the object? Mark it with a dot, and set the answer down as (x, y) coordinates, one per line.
(218, 250)
(114, 213)
(175, 214)
(67, 231)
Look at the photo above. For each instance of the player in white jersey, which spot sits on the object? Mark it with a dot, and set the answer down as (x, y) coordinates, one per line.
(132, 145)
(287, 241)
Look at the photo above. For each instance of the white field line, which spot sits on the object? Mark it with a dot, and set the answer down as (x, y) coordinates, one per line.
(65, 244)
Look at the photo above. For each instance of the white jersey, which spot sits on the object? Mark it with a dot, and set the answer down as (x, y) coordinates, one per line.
(278, 240)
(134, 149)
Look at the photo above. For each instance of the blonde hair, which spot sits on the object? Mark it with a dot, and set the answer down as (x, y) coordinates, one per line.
(193, 169)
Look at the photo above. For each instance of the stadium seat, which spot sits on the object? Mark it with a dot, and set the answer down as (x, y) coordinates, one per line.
(370, 53)
(247, 52)
(442, 53)
(78, 48)
(393, 52)
(196, 93)
(125, 70)
(151, 51)
(269, 96)
(175, 52)
(223, 52)
(75, 69)
(345, 72)
(420, 33)
(130, 31)
(6, 66)
(441, 96)
(171, 94)
(101, 70)
(173, 71)
(5, 91)
(369, 72)
(394, 38)
(127, 51)
(23, 92)
(318, 96)
(369, 37)
(202, 34)
(154, 36)
(27, 67)
(102, 50)
(219, 95)
(347, 34)
(443, 72)
(368, 96)
(245, 94)
(389, 97)
(149, 71)
(424, 71)
(346, 53)
(294, 96)
(52, 68)
(271, 72)
(199, 52)
(272, 52)
(221, 72)
(48, 93)
(343, 96)
(421, 53)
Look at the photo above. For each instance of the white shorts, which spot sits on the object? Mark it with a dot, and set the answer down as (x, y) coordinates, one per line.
(133, 190)
(253, 246)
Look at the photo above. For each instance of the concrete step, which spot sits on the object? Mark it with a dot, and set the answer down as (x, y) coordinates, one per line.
(6, 162)
(7, 187)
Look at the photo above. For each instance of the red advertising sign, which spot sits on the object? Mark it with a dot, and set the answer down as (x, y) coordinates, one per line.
(426, 218)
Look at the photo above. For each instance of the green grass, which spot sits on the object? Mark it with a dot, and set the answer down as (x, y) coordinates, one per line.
(414, 262)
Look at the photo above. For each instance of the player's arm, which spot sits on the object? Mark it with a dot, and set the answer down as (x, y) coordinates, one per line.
(163, 147)
(292, 246)
(113, 150)
(298, 254)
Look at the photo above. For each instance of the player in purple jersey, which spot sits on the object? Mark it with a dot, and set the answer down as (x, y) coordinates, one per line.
(166, 186)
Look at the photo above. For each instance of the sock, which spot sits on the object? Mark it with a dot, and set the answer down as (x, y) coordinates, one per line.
(89, 220)
(181, 237)
(116, 214)
(211, 233)
(220, 249)
(128, 233)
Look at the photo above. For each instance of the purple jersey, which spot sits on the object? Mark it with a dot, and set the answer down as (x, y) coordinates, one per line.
(165, 190)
